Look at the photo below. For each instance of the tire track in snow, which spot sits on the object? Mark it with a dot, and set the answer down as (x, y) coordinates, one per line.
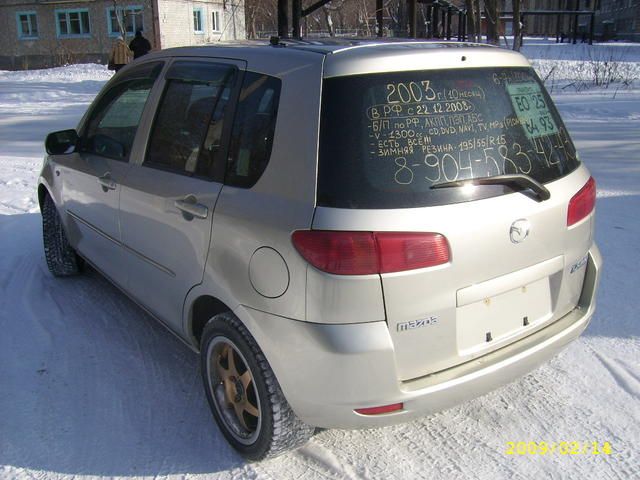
(314, 452)
(620, 373)
(576, 417)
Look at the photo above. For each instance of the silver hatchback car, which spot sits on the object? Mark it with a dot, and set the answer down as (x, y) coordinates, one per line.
(351, 234)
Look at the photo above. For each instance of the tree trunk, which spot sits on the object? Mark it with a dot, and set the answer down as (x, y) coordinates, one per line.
(493, 21)
(478, 20)
(120, 21)
(471, 21)
(365, 17)
(329, 21)
(517, 28)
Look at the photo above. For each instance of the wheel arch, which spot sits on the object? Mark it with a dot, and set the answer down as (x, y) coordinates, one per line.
(43, 191)
(202, 309)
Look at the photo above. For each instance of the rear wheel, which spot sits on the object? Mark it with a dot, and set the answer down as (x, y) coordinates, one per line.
(62, 259)
(244, 394)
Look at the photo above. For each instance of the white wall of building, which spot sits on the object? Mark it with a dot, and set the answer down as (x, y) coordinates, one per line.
(176, 21)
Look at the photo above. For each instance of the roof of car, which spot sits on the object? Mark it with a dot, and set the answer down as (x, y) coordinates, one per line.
(348, 56)
(322, 46)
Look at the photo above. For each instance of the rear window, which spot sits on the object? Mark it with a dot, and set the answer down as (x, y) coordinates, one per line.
(386, 139)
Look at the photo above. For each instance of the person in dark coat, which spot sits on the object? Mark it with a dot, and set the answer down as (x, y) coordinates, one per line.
(139, 45)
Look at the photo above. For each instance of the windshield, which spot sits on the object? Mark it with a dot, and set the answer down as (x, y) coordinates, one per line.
(387, 138)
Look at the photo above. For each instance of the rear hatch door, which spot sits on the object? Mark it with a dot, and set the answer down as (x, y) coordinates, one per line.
(410, 153)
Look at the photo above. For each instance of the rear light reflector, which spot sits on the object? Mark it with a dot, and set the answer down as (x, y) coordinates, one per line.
(582, 203)
(394, 407)
(409, 251)
(366, 253)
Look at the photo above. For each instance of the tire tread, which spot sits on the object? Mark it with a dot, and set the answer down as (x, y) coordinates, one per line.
(61, 258)
(288, 431)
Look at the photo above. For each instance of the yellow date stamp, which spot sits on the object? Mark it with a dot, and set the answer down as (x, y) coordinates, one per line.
(559, 448)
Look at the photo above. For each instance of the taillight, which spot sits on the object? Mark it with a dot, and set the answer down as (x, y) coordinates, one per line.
(365, 253)
(582, 203)
(409, 251)
(342, 253)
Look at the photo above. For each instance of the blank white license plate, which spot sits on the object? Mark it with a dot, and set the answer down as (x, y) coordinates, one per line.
(487, 323)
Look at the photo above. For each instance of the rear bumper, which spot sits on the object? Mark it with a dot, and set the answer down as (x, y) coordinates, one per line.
(327, 371)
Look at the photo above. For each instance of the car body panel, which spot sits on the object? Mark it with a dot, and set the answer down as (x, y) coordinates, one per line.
(352, 366)
(92, 209)
(165, 248)
(281, 201)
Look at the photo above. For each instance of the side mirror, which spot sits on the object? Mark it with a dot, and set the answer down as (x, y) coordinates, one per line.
(59, 143)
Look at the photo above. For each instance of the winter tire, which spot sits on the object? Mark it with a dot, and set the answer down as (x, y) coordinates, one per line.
(244, 394)
(62, 260)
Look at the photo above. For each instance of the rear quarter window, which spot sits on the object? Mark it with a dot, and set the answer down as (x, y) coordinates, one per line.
(386, 139)
(253, 129)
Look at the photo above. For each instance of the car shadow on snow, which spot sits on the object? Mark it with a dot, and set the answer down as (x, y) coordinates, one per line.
(89, 384)
(617, 234)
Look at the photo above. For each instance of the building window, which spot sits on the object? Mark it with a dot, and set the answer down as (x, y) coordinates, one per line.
(27, 25)
(197, 20)
(73, 23)
(215, 21)
(130, 18)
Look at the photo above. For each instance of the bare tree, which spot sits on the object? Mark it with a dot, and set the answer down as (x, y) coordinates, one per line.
(260, 16)
(120, 18)
(492, 13)
(517, 26)
(474, 19)
(328, 20)
(363, 17)
(478, 20)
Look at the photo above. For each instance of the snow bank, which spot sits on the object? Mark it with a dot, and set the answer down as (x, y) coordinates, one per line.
(568, 68)
(68, 74)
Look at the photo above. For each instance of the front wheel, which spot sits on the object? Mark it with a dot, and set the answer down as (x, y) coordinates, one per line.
(62, 259)
(243, 392)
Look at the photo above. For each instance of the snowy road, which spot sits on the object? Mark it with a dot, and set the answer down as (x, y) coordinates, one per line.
(90, 386)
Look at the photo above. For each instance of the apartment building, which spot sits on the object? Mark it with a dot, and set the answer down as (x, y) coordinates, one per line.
(45, 33)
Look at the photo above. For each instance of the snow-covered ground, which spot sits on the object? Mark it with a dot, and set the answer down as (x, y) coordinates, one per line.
(90, 386)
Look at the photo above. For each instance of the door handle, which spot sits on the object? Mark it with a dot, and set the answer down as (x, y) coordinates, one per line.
(106, 182)
(190, 208)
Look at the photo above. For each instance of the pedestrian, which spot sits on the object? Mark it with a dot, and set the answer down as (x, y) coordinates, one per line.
(120, 55)
(139, 45)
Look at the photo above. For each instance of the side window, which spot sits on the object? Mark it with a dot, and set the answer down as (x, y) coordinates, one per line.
(253, 128)
(187, 132)
(197, 21)
(131, 19)
(73, 23)
(112, 125)
(27, 25)
(215, 21)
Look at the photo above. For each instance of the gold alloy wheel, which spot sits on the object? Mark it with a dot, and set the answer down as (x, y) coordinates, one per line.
(234, 390)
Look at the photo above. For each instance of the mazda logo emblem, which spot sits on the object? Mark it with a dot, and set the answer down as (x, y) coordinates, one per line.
(519, 230)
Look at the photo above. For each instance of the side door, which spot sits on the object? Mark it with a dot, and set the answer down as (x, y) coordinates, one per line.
(91, 176)
(167, 200)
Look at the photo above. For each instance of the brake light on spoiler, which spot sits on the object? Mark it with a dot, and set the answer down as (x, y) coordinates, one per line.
(365, 253)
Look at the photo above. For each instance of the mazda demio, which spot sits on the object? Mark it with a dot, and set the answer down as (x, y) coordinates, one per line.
(351, 234)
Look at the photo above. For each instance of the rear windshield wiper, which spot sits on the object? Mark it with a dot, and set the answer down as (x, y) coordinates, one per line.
(521, 180)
